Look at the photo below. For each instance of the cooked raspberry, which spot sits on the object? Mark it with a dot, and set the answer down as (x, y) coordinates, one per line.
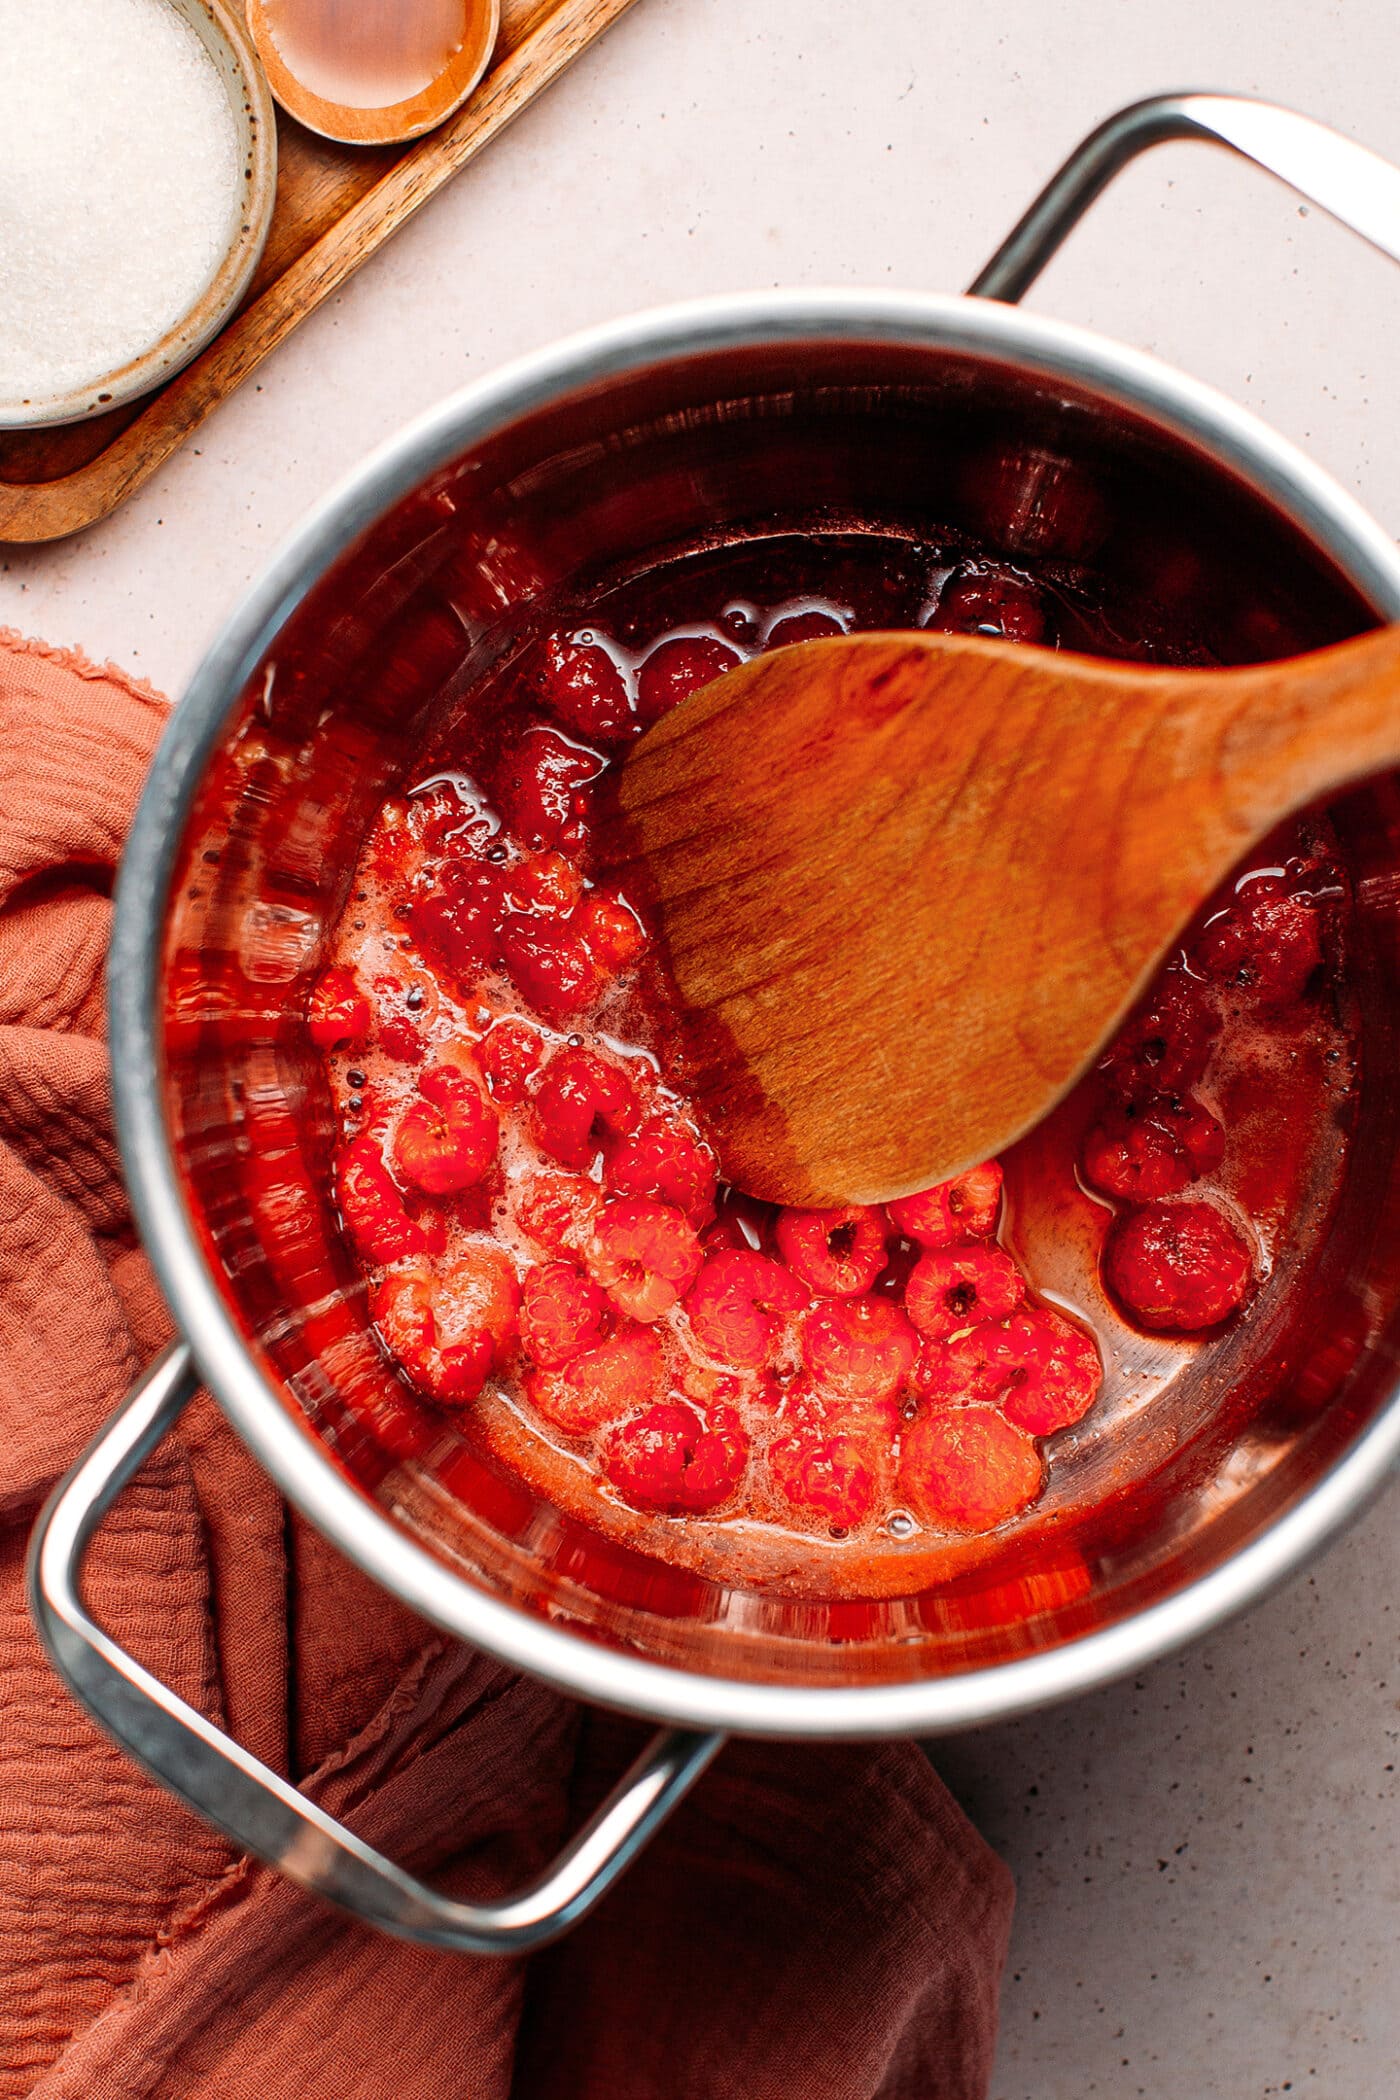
(556, 1211)
(662, 1161)
(541, 787)
(603, 1384)
(337, 1012)
(964, 1208)
(458, 921)
(1165, 1046)
(1055, 1372)
(446, 1141)
(1134, 1155)
(584, 686)
(582, 1100)
(644, 1254)
(717, 1462)
(511, 1056)
(836, 1476)
(957, 1287)
(859, 1348)
(546, 882)
(550, 964)
(676, 669)
(611, 930)
(991, 601)
(397, 1037)
(1266, 946)
(1176, 1267)
(451, 1326)
(562, 1313)
(373, 1207)
(1139, 1150)
(839, 1252)
(968, 1368)
(968, 1469)
(732, 1301)
(802, 627)
(667, 1459)
(401, 1307)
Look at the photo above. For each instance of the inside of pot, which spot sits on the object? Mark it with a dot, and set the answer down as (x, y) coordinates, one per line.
(696, 453)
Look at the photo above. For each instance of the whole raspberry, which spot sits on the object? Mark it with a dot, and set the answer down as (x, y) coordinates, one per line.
(1267, 946)
(644, 1254)
(965, 1208)
(576, 677)
(549, 963)
(511, 1056)
(478, 1301)
(373, 1208)
(603, 1384)
(837, 1252)
(582, 1101)
(337, 1012)
(955, 1287)
(562, 1313)
(968, 1469)
(836, 1475)
(542, 783)
(859, 1348)
(675, 669)
(457, 923)
(450, 1327)
(666, 1459)
(446, 1141)
(1055, 1372)
(1165, 1046)
(611, 931)
(985, 599)
(666, 1162)
(1177, 1267)
(732, 1301)
(965, 1369)
(1137, 1151)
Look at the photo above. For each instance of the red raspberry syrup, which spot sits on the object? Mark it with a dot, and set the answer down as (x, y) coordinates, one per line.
(556, 1266)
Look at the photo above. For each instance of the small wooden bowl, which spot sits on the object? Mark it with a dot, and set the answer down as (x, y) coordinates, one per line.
(224, 37)
(395, 121)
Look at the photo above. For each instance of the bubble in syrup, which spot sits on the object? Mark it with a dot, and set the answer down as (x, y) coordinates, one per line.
(901, 1524)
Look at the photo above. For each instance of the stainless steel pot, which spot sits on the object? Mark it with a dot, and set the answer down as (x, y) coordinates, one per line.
(658, 429)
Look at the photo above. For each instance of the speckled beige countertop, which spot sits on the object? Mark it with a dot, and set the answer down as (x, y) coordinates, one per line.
(1208, 1858)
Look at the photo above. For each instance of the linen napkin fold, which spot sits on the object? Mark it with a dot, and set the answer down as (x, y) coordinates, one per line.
(815, 1920)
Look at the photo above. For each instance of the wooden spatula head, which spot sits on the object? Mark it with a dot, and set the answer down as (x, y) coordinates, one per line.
(906, 885)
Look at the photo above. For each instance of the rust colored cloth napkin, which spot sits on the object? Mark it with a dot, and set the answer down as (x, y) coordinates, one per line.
(815, 1920)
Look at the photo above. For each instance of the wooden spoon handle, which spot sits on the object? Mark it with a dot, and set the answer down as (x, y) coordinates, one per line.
(1283, 734)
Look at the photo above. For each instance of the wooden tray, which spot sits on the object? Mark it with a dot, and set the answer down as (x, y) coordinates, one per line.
(335, 205)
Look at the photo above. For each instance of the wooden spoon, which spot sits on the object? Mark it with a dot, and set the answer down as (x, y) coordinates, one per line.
(371, 72)
(908, 884)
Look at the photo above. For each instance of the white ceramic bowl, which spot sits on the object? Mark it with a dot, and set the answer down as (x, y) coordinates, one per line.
(220, 29)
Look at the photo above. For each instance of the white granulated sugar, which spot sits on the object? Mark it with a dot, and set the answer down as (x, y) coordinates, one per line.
(120, 178)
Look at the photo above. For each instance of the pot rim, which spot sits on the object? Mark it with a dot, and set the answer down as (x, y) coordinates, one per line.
(297, 1461)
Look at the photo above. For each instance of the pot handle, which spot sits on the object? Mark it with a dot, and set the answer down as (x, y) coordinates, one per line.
(249, 1802)
(1347, 180)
